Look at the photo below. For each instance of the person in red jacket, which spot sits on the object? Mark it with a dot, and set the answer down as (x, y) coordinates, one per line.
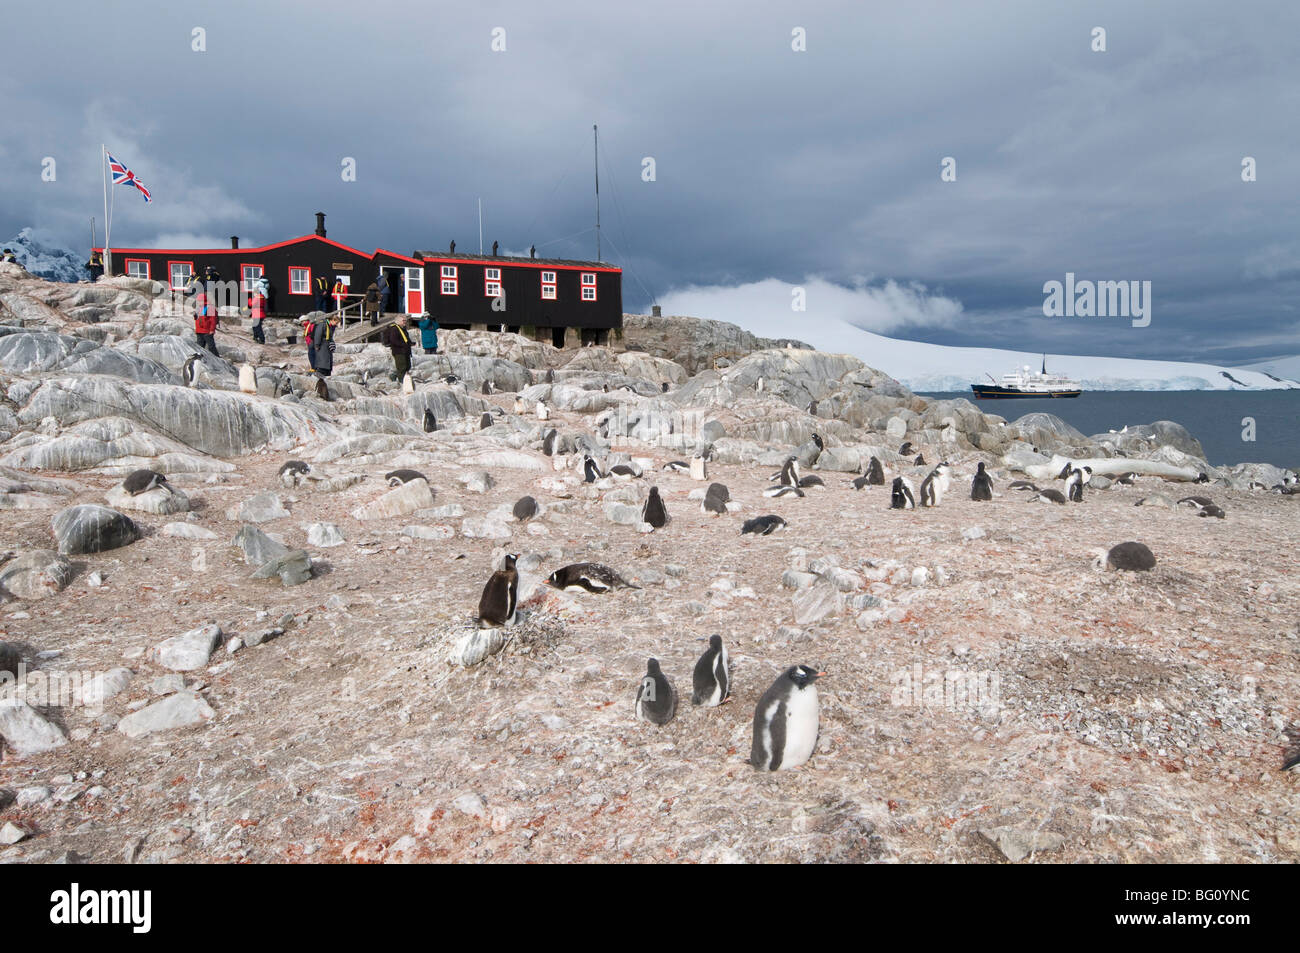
(205, 322)
(257, 309)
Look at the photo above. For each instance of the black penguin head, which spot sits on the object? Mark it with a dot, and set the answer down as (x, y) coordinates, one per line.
(804, 675)
(652, 666)
(509, 561)
(715, 642)
(980, 468)
(818, 440)
(654, 492)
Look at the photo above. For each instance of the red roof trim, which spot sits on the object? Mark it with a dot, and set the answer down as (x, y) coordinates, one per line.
(238, 251)
(515, 263)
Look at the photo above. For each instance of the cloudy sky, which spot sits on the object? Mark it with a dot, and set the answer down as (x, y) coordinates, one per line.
(775, 169)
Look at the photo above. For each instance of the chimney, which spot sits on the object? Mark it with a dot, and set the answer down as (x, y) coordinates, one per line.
(494, 249)
(532, 251)
(320, 224)
(655, 312)
(234, 241)
(452, 249)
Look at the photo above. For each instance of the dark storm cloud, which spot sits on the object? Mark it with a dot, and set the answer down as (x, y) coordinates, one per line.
(771, 164)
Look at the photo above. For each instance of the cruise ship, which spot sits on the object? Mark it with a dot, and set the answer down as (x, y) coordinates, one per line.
(1025, 383)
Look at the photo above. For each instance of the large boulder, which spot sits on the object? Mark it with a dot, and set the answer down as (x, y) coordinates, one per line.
(400, 501)
(37, 574)
(90, 528)
(25, 732)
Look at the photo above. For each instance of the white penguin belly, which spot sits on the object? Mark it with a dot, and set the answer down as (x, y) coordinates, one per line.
(802, 713)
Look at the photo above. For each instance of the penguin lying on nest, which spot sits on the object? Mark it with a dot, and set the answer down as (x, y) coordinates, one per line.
(294, 472)
(1125, 557)
(1048, 496)
(593, 577)
(142, 481)
(762, 525)
(716, 498)
(398, 477)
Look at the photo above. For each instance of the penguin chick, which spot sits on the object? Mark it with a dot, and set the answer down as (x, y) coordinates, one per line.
(656, 699)
(786, 720)
(142, 481)
(710, 682)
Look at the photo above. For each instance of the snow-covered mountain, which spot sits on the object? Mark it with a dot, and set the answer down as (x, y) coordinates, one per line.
(1284, 367)
(937, 367)
(47, 261)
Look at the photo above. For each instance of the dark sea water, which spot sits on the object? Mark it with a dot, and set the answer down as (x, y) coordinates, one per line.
(1213, 417)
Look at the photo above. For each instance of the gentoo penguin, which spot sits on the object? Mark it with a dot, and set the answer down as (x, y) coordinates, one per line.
(762, 525)
(550, 376)
(875, 473)
(293, 472)
(594, 577)
(1048, 496)
(590, 471)
(322, 389)
(1066, 471)
(142, 481)
(398, 477)
(860, 482)
(1128, 557)
(625, 471)
(811, 481)
(487, 387)
(677, 466)
(1196, 502)
(935, 485)
(1022, 485)
(654, 512)
(1203, 478)
(450, 379)
(782, 489)
(1126, 479)
(786, 720)
(1211, 510)
(819, 445)
(485, 421)
(901, 495)
(715, 499)
(525, 508)
(710, 683)
(542, 412)
(656, 699)
(665, 390)
(906, 450)
(548, 442)
(981, 487)
(190, 370)
(496, 608)
(812, 408)
(430, 421)
(920, 460)
(1074, 486)
(789, 474)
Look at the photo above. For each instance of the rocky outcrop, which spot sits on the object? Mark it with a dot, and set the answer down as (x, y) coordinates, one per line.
(37, 574)
(89, 528)
(693, 343)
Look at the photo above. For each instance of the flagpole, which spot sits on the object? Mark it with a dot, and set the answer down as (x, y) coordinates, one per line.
(108, 222)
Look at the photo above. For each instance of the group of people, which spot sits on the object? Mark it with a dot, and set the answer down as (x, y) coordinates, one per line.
(205, 309)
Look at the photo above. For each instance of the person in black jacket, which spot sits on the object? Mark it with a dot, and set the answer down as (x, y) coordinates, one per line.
(398, 340)
(323, 342)
(385, 292)
(322, 286)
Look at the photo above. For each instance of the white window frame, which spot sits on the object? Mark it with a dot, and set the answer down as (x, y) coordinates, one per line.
(492, 282)
(185, 278)
(588, 285)
(305, 273)
(548, 285)
(131, 266)
(450, 281)
(247, 286)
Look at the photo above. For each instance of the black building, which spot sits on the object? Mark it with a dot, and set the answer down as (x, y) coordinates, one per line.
(556, 300)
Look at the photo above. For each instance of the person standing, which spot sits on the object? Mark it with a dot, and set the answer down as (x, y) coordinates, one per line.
(309, 335)
(371, 302)
(205, 321)
(340, 294)
(385, 292)
(323, 338)
(322, 287)
(257, 308)
(95, 266)
(429, 333)
(398, 340)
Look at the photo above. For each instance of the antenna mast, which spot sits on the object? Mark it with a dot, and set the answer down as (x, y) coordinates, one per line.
(595, 138)
(480, 226)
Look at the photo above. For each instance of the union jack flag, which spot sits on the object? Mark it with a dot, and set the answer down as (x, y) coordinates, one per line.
(124, 176)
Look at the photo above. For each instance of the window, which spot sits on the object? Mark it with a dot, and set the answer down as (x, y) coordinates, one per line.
(548, 285)
(250, 274)
(492, 282)
(137, 267)
(180, 272)
(299, 281)
(588, 286)
(449, 280)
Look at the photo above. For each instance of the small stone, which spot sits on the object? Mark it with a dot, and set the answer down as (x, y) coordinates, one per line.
(324, 535)
(95, 580)
(187, 531)
(175, 711)
(234, 645)
(11, 833)
(471, 804)
(973, 532)
(26, 732)
(190, 650)
(793, 579)
(1017, 844)
(265, 635)
(167, 684)
(260, 508)
(32, 796)
(920, 576)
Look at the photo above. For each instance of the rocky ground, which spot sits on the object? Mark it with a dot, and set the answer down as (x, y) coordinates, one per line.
(991, 695)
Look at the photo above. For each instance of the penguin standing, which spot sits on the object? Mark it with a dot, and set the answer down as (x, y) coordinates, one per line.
(485, 421)
(789, 473)
(906, 449)
(786, 720)
(901, 495)
(590, 471)
(656, 699)
(981, 487)
(654, 512)
(142, 481)
(1074, 485)
(711, 685)
(190, 371)
(548, 442)
(875, 473)
(430, 421)
(525, 508)
(496, 607)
